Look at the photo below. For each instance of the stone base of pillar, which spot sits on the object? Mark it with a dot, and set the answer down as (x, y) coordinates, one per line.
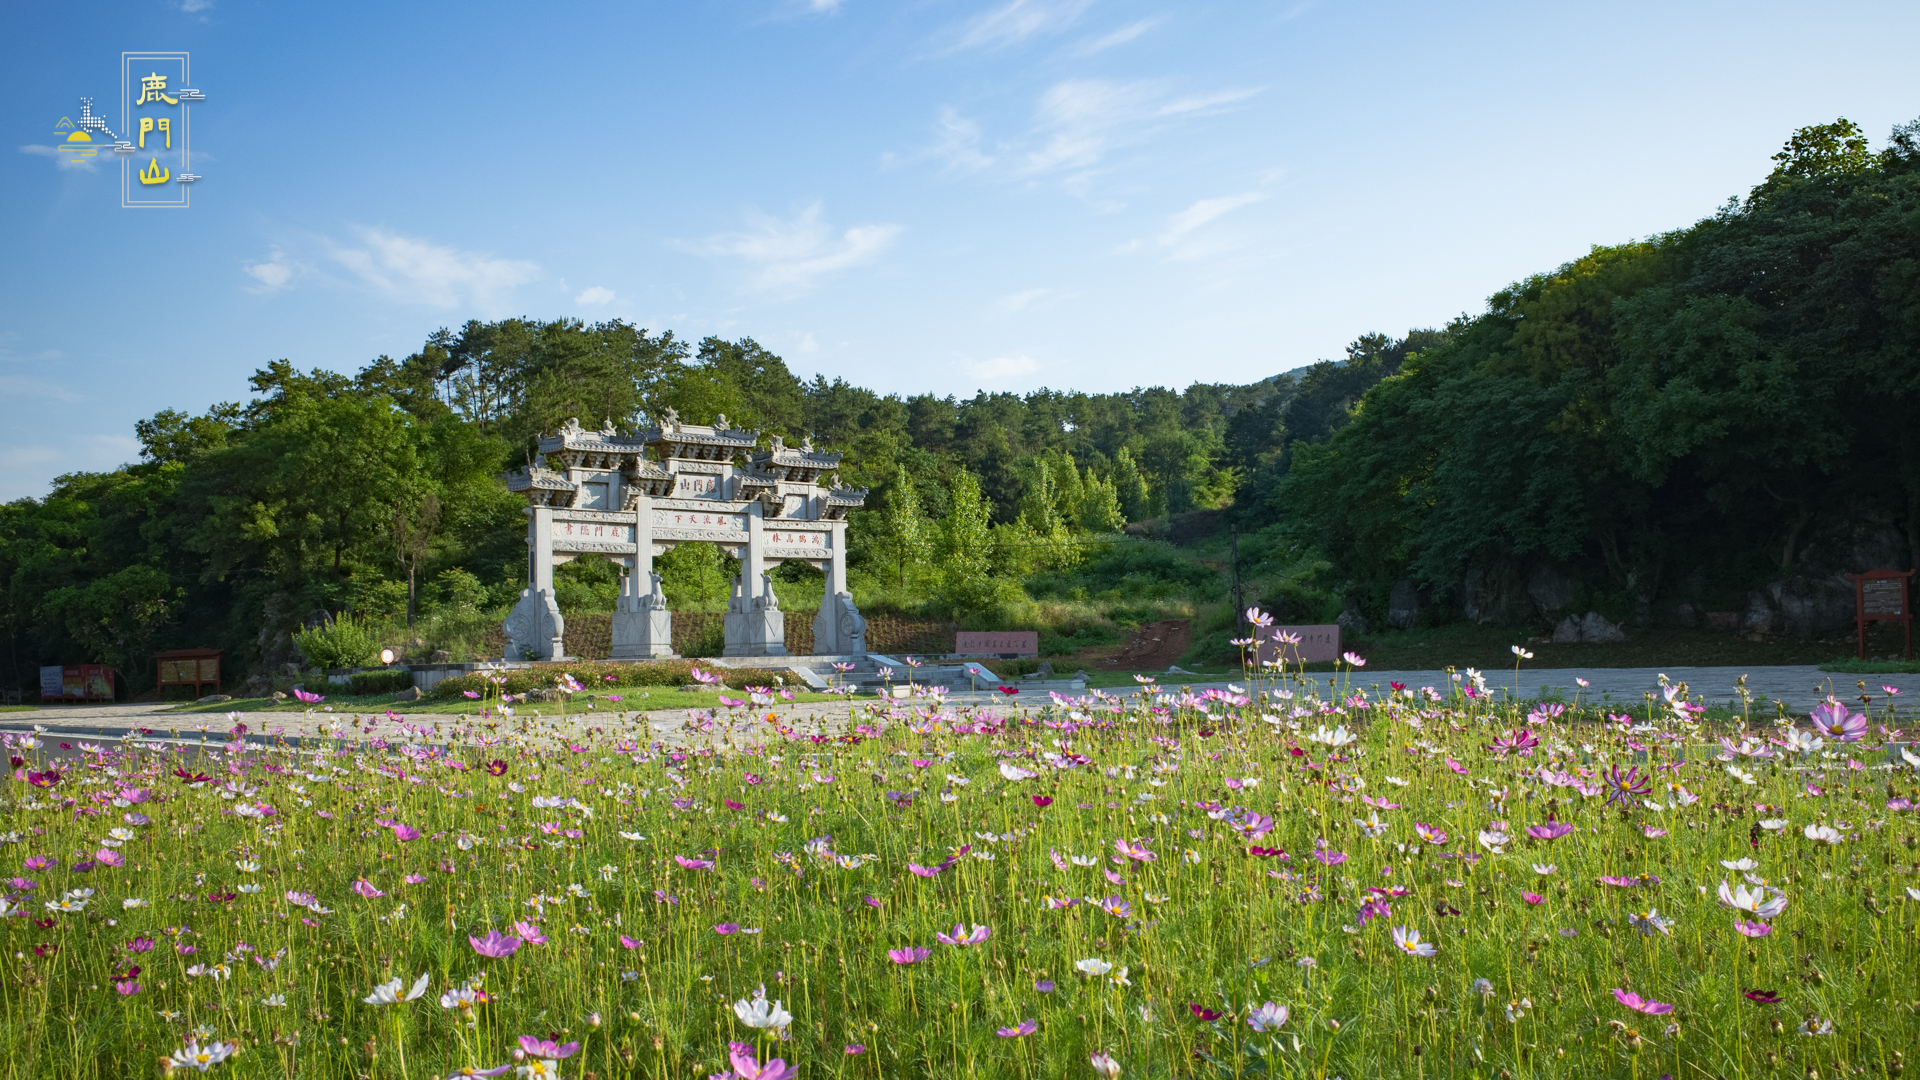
(642, 635)
(839, 629)
(756, 633)
(755, 625)
(535, 629)
(642, 625)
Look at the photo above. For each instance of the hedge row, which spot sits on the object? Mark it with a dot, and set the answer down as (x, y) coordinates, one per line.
(602, 675)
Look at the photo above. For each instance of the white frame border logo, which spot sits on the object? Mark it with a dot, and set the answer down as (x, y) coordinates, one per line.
(171, 161)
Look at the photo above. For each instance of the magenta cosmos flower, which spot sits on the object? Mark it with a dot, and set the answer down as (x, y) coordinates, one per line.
(493, 945)
(1025, 1027)
(1639, 1004)
(748, 1067)
(693, 864)
(1552, 830)
(547, 1048)
(912, 955)
(961, 937)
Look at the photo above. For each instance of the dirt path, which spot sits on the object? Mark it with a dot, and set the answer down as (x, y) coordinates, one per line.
(1154, 647)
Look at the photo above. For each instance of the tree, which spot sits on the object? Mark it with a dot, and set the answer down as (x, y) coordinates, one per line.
(965, 549)
(905, 536)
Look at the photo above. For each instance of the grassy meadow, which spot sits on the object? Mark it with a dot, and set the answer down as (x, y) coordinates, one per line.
(1293, 879)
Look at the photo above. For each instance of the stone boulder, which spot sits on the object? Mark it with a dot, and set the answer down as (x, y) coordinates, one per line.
(1352, 621)
(411, 693)
(1759, 619)
(1403, 606)
(440, 656)
(1550, 590)
(1593, 629)
(214, 699)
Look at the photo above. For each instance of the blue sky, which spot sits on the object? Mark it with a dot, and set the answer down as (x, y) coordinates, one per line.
(943, 196)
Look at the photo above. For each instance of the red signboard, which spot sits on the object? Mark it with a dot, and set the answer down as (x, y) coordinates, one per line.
(1880, 595)
(76, 682)
(997, 643)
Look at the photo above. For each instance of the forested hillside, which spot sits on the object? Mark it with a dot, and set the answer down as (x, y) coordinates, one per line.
(1720, 418)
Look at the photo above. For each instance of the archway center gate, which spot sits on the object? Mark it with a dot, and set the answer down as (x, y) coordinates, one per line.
(598, 492)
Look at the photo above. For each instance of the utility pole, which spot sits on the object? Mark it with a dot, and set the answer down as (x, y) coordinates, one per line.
(1239, 609)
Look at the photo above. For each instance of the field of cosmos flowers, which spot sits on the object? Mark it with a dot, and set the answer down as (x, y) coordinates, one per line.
(1290, 878)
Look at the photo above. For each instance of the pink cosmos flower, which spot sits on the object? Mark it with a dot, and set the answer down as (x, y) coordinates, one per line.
(924, 871)
(693, 864)
(300, 899)
(405, 833)
(911, 955)
(109, 857)
(493, 945)
(414, 879)
(959, 936)
(140, 945)
(629, 943)
(1752, 929)
(1640, 1004)
(747, 1067)
(1136, 852)
(127, 987)
(1532, 897)
(311, 699)
(1025, 1027)
(1835, 723)
(367, 889)
(530, 933)
(726, 928)
(547, 1049)
(1552, 830)
(1428, 833)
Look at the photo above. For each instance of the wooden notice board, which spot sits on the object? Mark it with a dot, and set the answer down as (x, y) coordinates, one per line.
(1880, 595)
(189, 667)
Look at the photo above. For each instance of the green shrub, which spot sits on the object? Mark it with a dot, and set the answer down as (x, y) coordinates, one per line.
(457, 589)
(593, 675)
(343, 642)
(390, 681)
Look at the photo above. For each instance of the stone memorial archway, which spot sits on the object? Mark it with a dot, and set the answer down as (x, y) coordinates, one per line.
(600, 492)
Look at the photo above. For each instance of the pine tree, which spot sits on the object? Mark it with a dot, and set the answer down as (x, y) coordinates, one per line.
(965, 550)
(906, 535)
(1130, 488)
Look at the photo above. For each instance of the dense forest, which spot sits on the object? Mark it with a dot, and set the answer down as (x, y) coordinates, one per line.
(1722, 418)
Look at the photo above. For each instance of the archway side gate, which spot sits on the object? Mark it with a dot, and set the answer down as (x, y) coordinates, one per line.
(599, 492)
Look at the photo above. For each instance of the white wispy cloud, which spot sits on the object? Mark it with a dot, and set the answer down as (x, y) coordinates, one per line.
(1109, 40)
(1012, 23)
(192, 7)
(26, 386)
(1076, 124)
(596, 295)
(1029, 300)
(62, 159)
(1002, 367)
(825, 6)
(274, 273)
(415, 271)
(789, 257)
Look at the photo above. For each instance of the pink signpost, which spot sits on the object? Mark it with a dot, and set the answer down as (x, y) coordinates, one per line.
(1318, 644)
(1007, 643)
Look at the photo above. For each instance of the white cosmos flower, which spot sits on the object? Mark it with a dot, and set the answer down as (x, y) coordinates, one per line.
(1014, 772)
(1543, 871)
(1755, 901)
(1336, 738)
(202, 1058)
(758, 1012)
(1092, 966)
(388, 993)
(1495, 842)
(1825, 834)
(634, 836)
(277, 1001)
(1739, 864)
(1773, 824)
(1740, 774)
(1906, 755)
(132, 902)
